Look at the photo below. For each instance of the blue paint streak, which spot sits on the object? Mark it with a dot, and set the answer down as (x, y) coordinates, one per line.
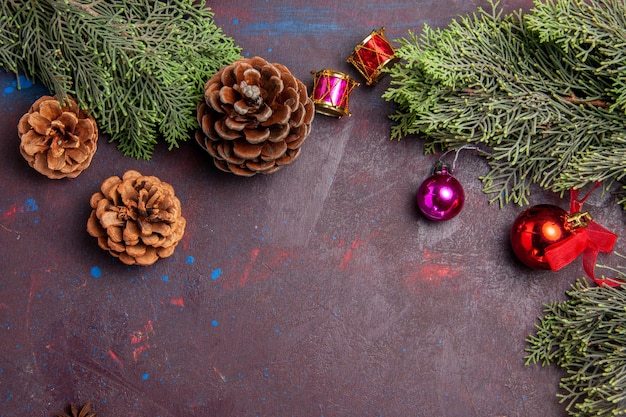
(216, 273)
(145, 377)
(293, 27)
(96, 272)
(303, 22)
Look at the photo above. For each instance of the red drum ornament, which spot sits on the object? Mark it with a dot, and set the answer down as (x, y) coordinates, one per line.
(331, 92)
(372, 55)
(534, 230)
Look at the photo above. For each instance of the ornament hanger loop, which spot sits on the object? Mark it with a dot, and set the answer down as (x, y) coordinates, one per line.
(577, 203)
(441, 164)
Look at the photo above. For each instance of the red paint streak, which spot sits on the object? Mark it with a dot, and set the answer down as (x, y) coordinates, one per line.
(254, 254)
(437, 273)
(428, 254)
(13, 210)
(139, 350)
(256, 266)
(116, 358)
(356, 243)
(432, 274)
(433, 270)
(139, 336)
(178, 302)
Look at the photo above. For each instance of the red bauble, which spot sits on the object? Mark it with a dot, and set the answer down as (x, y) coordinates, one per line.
(534, 230)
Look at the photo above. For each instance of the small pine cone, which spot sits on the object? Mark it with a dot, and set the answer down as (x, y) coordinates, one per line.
(58, 140)
(254, 117)
(136, 218)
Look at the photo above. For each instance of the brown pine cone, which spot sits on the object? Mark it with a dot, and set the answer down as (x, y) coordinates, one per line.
(254, 117)
(57, 140)
(136, 218)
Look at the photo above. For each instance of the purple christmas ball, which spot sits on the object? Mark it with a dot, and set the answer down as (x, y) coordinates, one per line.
(441, 196)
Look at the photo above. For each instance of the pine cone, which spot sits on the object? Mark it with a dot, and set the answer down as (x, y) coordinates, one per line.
(254, 117)
(57, 140)
(136, 218)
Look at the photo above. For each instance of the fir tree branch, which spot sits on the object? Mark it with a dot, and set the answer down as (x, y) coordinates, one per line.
(586, 336)
(600, 163)
(497, 80)
(138, 66)
(595, 31)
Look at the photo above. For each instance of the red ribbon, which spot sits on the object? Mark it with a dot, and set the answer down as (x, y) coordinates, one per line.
(589, 240)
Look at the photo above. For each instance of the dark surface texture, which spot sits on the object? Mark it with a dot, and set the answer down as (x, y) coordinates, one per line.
(314, 291)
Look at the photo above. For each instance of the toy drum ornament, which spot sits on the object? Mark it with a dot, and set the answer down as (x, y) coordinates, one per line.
(331, 92)
(372, 55)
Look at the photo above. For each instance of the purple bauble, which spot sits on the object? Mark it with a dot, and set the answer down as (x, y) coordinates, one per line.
(441, 196)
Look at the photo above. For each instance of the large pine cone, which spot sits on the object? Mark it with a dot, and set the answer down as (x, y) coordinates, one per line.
(254, 117)
(136, 218)
(57, 140)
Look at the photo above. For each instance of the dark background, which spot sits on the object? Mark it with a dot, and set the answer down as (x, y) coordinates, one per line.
(315, 291)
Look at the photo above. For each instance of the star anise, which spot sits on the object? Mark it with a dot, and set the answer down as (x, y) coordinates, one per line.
(85, 411)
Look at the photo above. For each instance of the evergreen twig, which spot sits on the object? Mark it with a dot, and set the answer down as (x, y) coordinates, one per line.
(138, 66)
(586, 336)
(545, 93)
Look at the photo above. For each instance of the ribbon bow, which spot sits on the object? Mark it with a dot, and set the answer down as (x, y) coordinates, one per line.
(588, 238)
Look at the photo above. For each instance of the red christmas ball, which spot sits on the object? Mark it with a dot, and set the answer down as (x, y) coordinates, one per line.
(534, 230)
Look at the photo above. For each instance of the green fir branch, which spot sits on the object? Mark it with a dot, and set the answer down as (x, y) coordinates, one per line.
(138, 66)
(601, 163)
(528, 98)
(586, 336)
